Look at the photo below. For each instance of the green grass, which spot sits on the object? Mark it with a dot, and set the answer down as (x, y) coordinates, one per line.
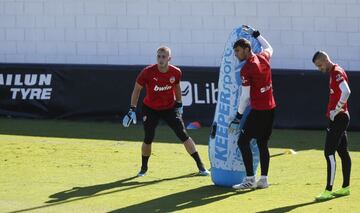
(63, 166)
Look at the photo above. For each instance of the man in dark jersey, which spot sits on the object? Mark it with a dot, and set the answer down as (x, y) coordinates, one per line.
(163, 100)
(256, 89)
(336, 136)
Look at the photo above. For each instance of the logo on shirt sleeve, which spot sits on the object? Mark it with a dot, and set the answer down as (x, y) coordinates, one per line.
(339, 78)
(244, 80)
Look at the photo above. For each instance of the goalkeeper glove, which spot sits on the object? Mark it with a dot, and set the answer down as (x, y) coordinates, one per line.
(251, 31)
(235, 124)
(130, 117)
(338, 108)
(178, 109)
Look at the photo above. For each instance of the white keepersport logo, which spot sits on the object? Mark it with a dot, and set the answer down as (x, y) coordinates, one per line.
(28, 86)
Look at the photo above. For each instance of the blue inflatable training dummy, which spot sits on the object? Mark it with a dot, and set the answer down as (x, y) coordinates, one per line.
(227, 167)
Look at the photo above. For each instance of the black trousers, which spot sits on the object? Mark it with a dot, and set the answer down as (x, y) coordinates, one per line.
(336, 141)
(151, 120)
(258, 125)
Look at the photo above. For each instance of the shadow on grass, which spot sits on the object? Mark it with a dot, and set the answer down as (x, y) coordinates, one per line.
(81, 193)
(92, 190)
(294, 139)
(182, 200)
(292, 207)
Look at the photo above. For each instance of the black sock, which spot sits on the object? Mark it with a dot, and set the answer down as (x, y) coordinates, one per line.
(197, 159)
(144, 163)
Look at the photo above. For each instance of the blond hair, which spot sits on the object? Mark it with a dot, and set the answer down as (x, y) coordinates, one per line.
(164, 49)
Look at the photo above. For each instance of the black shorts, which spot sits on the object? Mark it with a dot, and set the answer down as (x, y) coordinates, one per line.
(336, 136)
(259, 124)
(152, 117)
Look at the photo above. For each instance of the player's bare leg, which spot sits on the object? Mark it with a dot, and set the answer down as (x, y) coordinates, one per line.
(146, 149)
(190, 146)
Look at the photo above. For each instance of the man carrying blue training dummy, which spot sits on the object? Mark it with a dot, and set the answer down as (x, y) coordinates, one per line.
(258, 92)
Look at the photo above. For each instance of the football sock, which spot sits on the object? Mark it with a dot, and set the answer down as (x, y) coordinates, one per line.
(197, 159)
(144, 162)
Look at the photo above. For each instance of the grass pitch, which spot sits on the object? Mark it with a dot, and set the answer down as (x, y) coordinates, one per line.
(63, 166)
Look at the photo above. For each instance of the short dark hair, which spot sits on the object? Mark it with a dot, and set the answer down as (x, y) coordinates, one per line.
(319, 54)
(316, 55)
(243, 43)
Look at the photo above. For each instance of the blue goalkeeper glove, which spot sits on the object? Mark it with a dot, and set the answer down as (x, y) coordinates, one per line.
(178, 109)
(251, 31)
(235, 124)
(130, 117)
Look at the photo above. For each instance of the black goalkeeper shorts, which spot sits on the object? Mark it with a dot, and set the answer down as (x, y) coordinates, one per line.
(152, 117)
(259, 124)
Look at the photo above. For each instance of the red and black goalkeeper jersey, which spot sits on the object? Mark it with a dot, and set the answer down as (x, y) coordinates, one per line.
(160, 87)
(256, 73)
(337, 75)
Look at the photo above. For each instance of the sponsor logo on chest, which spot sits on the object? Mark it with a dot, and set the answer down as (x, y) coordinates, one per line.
(161, 89)
(266, 88)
